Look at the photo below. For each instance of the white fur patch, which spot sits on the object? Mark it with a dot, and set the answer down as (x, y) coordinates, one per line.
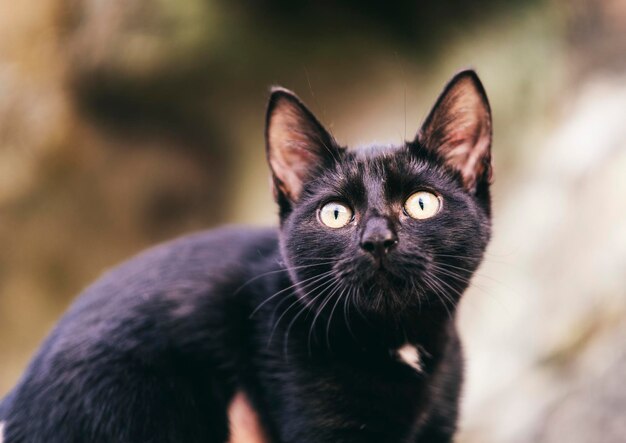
(1, 431)
(411, 356)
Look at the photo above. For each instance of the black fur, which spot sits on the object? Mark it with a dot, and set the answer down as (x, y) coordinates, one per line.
(155, 350)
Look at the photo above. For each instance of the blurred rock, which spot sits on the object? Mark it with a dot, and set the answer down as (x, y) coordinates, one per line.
(594, 411)
(564, 323)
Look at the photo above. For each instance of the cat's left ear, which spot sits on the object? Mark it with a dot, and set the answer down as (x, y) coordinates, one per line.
(297, 145)
(458, 129)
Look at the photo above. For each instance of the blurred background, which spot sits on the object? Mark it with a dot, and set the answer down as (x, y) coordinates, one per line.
(127, 122)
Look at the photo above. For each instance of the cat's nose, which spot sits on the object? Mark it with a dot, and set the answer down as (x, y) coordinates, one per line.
(378, 237)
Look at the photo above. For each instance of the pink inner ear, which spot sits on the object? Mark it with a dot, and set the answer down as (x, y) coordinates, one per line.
(467, 158)
(291, 166)
(459, 129)
(295, 140)
(465, 147)
(288, 154)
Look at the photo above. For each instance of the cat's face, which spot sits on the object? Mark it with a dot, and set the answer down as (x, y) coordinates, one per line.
(388, 229)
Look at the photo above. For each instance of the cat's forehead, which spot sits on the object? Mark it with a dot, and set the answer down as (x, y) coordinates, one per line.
(377, 170)
(383, 172)
(374, 150)
(380, 161)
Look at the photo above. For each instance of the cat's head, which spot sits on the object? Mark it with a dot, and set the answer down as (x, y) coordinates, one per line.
(386, 228)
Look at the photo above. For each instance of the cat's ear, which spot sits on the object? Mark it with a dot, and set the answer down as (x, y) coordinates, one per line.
(458, 129)
(297, 144)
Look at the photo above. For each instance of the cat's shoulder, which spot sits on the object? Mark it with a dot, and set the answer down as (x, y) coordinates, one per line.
(223, 241)
(145, 302)
(201, 253)
(181, 272)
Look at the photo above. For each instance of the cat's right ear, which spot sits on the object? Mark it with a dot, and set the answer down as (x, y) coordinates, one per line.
(297, 144)
(458, 129)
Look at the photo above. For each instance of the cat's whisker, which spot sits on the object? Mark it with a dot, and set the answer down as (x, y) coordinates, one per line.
(448, 286)
(312, 284)
(308, 281)
(459, 278)
(469, 257)
(294, 303)
(330, 318)
(379, 299)
(450, 273)
(356, 305)
(475, 275)
(332, 152)
(454, 290)
(332, 259)
(311, 281)
(417, 292)
(465, 280)
(472, 285)
(318, 313)
(480, 255)
(319, 284)
(487, 254)
(440, 293)
(276, 309)
(346, 309)
(277, 271)
(326, 286)
(472, 273)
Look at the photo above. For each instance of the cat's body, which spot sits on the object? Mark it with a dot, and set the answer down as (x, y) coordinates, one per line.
(336, 333)
(175, 338)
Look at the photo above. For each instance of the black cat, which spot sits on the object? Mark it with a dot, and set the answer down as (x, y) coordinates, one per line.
(339, 326)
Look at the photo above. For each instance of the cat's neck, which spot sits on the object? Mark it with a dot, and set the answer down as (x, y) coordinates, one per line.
(424, 328)
(343, 330)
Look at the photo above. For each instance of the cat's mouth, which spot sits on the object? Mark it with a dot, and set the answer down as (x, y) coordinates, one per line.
(383, 273)
(371, 275)
(380, 265)
(380, 262)
(383, 268)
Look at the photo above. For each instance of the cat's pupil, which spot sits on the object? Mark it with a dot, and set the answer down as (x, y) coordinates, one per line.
(421, 203)
(336, 213)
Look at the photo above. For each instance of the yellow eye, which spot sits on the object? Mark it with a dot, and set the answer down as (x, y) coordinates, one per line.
(422, 205)
(335, 215)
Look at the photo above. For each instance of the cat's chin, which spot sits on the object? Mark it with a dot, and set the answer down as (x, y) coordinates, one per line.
(386, 284)
(384, 280)
(386, 276)
(389, 293)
